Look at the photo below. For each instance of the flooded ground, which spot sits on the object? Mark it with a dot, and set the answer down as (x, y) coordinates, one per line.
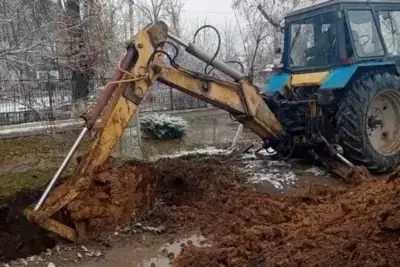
(159, 254)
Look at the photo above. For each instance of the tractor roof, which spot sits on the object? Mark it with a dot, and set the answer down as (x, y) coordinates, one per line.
(304, 7)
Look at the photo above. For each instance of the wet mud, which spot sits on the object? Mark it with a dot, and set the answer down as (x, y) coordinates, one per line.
(18, 237)
(319, 225)
(116, 195)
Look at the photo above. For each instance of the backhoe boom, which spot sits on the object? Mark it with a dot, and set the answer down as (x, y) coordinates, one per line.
(143, 65)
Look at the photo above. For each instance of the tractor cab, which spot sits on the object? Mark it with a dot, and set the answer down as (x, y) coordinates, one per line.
(323, 39)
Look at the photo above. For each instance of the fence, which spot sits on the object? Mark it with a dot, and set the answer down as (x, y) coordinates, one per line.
(46, 100)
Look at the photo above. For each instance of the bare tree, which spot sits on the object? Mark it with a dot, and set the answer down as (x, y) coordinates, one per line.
(152, 10)
(257, 36)
(173, 10)
(26, 29)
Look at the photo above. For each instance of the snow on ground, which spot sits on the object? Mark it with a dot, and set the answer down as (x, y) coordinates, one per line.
(38, 126)
(200, 151)
(276, 173)
(259, 171)
(36, 103)
(248, 156)
(317, 171)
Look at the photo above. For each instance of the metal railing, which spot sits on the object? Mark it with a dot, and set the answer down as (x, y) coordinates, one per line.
(25, 101)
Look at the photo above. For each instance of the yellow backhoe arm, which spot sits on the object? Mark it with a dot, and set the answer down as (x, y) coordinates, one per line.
(143, 65)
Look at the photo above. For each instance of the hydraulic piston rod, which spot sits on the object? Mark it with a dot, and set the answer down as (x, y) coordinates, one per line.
(216, 63)
(90, 121)
(61, 168)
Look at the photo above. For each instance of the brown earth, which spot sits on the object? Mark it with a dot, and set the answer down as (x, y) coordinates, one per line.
(116, 194)
(19, 237)
(319, 226)
(322, 226)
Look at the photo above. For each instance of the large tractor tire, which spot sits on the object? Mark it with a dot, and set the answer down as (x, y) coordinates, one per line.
(368, 122)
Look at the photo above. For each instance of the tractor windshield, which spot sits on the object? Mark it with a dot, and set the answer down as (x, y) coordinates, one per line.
(313, 41)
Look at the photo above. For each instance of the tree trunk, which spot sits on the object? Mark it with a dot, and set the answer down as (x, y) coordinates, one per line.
(80, 71)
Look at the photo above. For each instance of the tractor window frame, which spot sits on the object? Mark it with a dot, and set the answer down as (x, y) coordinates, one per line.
(387, 8)
(338, 20)
(375, 21)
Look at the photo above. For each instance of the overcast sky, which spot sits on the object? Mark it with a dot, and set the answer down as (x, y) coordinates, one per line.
(216, 11)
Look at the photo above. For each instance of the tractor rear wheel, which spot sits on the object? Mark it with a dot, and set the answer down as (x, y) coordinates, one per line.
(368, 122)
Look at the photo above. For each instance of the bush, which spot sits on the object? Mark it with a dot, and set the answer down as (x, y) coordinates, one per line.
(163, 127)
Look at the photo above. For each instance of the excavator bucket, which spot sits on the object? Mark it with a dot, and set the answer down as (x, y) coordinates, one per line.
(117, 105)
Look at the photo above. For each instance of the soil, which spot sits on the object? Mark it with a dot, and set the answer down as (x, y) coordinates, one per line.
(19, 237)
(320, 226)
(317, 226)
(116, 194)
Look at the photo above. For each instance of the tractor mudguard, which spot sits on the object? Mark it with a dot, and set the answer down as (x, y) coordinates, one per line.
(341, 76)
(338, 77)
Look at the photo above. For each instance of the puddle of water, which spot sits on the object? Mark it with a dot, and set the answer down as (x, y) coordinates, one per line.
(142, 256)
(278, 177)
(276, 173)
(202, 132)
(162, 260)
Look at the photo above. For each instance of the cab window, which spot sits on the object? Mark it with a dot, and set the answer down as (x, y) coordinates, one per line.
(313, 41)
(365, 35)
(390, 28)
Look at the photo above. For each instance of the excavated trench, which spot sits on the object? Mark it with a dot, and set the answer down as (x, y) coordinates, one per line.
(317, 226)
(18, 237)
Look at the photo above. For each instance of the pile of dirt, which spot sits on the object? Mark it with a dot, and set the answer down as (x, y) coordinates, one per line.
(116, 195)
(322, 226)
(18, 237)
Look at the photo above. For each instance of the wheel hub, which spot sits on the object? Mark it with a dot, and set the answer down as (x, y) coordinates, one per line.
(383, 122)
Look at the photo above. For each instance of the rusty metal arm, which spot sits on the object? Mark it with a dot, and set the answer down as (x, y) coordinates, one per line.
(240, 99)
(117, 105)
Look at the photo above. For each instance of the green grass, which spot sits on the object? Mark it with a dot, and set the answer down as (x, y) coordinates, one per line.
(25, 148)
(30, 162)
(12, 183)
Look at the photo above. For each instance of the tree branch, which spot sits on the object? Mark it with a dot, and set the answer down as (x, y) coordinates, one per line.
(268, 17)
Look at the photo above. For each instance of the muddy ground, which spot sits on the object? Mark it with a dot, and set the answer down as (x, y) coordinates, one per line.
(327, 224)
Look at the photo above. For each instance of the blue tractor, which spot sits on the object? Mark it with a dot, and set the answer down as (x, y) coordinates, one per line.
(339, 84)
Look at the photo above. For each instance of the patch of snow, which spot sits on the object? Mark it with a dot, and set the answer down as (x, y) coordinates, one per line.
(317, 171)
(200, 151)
(50, 264)
(34, 103)
(271, 172)
(161, 119)
(151, 229)
(11, 129)
(278, 179)
(267, 152)
(163, 126)
(278, 163)
(248, 156)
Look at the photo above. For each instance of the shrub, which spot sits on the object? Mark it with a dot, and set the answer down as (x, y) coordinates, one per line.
(163, 127)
